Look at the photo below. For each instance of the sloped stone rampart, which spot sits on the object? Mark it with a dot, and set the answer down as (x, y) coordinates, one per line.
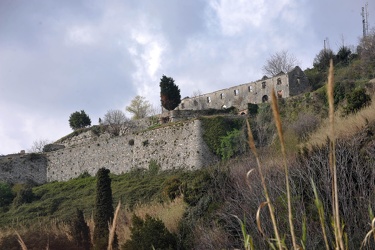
(178, 145)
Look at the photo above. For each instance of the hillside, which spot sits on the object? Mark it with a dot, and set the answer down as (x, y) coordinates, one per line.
(202, 207)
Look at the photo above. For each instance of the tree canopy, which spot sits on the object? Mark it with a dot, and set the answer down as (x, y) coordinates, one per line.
(169, 93)
(103, 209)
(139, 107)
(79, 120)
(280, 62)
(114, 120)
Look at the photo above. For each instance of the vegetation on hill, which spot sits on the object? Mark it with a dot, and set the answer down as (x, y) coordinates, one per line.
(223, 206)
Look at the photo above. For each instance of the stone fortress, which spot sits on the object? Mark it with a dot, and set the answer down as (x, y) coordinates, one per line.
(176, 145)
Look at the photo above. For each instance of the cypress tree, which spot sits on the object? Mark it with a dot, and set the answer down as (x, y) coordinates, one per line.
(103, 214)
(80, 231)
(169, 93)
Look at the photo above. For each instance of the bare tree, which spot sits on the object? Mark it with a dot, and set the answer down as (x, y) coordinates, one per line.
(139, 107)
(280, 61)
(114, 119)
(199, 100)
(38, 146)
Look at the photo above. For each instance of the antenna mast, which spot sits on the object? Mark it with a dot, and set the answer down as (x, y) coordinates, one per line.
(365, 20)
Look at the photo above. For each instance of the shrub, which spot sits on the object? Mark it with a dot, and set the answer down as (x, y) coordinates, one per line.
(357, 100)
(6, 195)
(149, 233)
(234, 143)
(24, 195)
(172, 187)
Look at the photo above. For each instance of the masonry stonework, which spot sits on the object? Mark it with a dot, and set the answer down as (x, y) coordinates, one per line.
(175, 146)
(285, 85)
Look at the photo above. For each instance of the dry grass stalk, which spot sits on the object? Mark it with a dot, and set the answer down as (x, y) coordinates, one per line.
(276, 115)
(258, 218)
(319, 206)
(332, 159)
(369, 234)
(270, 206)
(21, 242)
(112, 228)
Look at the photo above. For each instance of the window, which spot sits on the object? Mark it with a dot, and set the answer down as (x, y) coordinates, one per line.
(278, 81)
(263, 85)
(182, 105)
(265, 98)
(298, 80)
(195, 103)
(208, 99)
(222, 96)
(280, 94)
(250, 88)
(236, 92)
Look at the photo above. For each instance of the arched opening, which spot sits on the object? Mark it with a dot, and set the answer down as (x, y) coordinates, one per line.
(265, 98)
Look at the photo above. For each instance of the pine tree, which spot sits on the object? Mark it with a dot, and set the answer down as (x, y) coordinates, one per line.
(169, 93)
(103, 214)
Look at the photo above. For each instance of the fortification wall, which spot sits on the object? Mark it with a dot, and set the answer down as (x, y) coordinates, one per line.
(175, 146)
(22, 168)
(178, 145)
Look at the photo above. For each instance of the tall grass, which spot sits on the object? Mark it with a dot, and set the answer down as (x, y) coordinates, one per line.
(338, 231)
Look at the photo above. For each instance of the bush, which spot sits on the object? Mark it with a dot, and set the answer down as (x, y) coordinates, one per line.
(6, 195)
(172, 187)
(357, 100)
(234, 143)
(148, 234)
(24, 195)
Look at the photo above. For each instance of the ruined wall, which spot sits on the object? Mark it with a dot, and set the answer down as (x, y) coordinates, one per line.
(22, 168)
(285, 85)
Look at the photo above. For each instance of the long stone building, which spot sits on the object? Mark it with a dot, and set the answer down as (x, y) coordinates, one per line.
(285, 85)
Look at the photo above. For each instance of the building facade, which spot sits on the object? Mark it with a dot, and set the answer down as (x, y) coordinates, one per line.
(285, 85)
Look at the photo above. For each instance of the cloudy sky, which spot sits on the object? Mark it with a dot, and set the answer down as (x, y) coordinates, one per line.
(58, 57)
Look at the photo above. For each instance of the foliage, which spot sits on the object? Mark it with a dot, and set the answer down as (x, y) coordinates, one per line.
(252, 109)
(321, 60)
(366, 51)
(280, 62)
(80, 231)
(172, 187)
(103, 209)
(343, 55)
(79, 120)
(153, 167)
(24, 195)
(139, 107)
(357, 100)
(149, 233)
(114, 119)
(316, 78)
(169, 93)
(233, 144)
(216, 127)
(6, 195)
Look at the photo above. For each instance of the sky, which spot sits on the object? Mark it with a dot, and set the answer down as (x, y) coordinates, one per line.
(58, 57)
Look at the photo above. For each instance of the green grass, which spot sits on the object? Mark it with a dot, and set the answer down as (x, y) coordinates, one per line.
(58, 200)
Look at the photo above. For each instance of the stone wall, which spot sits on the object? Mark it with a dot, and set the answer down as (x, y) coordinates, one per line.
(176, 145)
(293, 83)
(22, 168)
